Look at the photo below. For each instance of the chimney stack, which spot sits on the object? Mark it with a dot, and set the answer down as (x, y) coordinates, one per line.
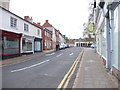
(5, 4)
(47, 21)
(28, 19)
(38, 24)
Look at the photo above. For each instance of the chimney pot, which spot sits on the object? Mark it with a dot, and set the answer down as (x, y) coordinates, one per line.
(26, 17)
(46, 20)
(38, 23)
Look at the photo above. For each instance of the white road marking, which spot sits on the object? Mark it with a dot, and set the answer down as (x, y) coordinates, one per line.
(50, 54)
(59, 55)
(30, 66)
(71, 54)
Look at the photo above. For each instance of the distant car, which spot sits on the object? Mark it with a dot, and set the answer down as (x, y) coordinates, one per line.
(62, 46)
(93, 45)
(66, 45)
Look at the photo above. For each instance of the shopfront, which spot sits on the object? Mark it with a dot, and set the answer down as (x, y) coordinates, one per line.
(27, 44)
(37, 45)
(115, 43)
(0, 44)
(104, 43)
(10, 44)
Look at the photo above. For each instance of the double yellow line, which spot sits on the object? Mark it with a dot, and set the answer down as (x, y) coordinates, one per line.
(64, 83)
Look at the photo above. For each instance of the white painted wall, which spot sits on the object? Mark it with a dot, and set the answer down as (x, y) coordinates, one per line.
(5, 25)
(20, 25)
(53, 35)
(62, 40)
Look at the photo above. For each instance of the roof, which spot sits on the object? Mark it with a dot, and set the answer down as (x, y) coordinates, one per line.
(47, 24)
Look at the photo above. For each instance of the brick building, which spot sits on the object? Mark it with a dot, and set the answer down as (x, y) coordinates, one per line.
(47, 36)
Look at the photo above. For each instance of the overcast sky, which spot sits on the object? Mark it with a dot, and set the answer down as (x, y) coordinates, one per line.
(66, 15)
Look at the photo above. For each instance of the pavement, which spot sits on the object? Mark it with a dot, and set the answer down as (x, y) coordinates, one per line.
(92, 72)
(23, 58)
(45, 71)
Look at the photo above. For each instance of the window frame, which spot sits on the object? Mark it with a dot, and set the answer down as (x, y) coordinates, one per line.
(26, 27)
(13, 22)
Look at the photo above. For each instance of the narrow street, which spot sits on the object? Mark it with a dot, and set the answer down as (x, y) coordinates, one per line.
(59, 44)
(46, 71)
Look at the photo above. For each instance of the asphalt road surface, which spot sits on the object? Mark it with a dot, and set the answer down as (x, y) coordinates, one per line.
(46, 71)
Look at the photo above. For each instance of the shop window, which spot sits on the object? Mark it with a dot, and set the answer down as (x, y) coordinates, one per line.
(13, 22)
(26, 27)
(115, 40)
(37, 45)
(11, 45)
(27, 45)
(0, 45)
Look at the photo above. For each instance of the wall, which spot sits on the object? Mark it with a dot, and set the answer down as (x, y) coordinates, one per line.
(119, 38)
(62, 40)
(115, 38)
(20, 25)
(116, 43)
(104, 43)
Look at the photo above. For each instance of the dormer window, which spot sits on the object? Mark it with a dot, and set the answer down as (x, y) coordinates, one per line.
(26, 27)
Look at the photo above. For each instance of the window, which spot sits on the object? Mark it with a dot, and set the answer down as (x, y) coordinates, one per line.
(26, 27)
(37, 45)
(50, 43)
(45, 33)
(45, 43)
(26, 45)
(38, 32)
(13, 22)
(0, 46)
(11, 45)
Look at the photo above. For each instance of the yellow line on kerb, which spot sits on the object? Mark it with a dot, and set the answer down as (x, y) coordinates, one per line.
(67, 77)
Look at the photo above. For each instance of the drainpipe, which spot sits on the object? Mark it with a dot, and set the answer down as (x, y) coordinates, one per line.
(108, 34)
(100, 43)
(111, 25)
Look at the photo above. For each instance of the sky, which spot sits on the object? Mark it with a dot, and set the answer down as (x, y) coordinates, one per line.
(66, 15)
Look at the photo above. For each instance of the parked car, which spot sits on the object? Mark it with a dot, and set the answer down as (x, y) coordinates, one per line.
(66, 45)
(93, 45)
(62, 46)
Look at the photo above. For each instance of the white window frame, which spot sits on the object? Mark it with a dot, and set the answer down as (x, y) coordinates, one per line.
(45, 33)
(13, 22)
(45, 43)
(26, 27)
